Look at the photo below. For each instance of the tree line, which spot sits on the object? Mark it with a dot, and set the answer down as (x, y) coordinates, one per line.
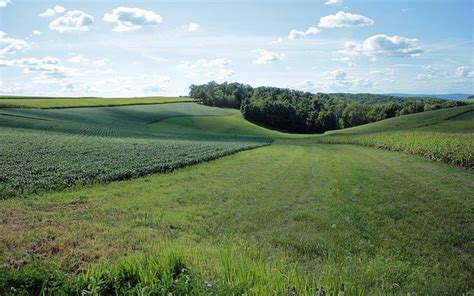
(304, 112)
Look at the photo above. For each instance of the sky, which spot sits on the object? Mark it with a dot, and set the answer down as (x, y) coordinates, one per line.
(146, 48)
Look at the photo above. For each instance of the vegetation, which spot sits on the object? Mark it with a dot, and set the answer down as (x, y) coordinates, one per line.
(304, 112)
(442, 135)
(47, 149)
(49, 102)
(302, 216)
(285, 219)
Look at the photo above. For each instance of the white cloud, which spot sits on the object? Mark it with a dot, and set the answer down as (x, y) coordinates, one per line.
(382, 45)
(36, 32)
(295, 34)
(4, 3)
(11, 45)
(221, 75)
(203, 63)
(465, 72)
(333, 2)
(267, 57)
(129, 19)
(73, 20)
(191, 27)
(48, 67)
(78, 59)
(11, 90)
(52, 11)
(344, 20)
(431, 73)
(336, 75)
(306, 85)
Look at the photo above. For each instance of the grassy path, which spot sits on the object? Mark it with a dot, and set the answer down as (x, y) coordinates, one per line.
(368, 220)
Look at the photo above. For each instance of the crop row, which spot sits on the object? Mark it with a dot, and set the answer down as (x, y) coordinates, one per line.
(35, 161)
(453, 148)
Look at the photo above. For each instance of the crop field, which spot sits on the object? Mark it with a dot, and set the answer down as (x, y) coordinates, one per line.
(55, 149)
(443, 135)
(49, 103)
(285, 219)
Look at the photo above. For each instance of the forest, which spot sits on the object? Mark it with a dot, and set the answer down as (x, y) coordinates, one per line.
(305, 112)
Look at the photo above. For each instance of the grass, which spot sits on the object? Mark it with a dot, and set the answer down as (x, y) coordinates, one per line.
(443, 135)
(287, 218)
(213, 125)
(343, 217)
(51, 103)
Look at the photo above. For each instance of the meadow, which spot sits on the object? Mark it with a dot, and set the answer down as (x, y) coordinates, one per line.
(289, 218)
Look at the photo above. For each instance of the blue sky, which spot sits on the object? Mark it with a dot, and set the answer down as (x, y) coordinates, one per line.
(145, 48)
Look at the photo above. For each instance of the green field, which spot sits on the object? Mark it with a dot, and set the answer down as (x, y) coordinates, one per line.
(445, 135)
(50, 103)
(54, 149)
(282, 219)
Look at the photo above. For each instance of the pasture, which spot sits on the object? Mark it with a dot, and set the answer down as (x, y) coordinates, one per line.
(286, 218)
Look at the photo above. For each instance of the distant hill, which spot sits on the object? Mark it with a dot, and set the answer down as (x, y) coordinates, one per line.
(438, 96)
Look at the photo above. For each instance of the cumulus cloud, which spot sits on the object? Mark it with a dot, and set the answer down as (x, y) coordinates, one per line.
(465, 72)
(73, 20)
(101, 62)
(128, 19)
(4, 3)
(267, 57)
(382, 45)
(203, 63)
(333, 2)
(344, 20)
(36, 32)
(295, 34)
(11, 45)
(52, 11)
(336, 75)
(191, 27)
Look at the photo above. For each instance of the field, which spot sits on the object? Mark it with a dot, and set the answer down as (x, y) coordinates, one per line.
(444, 135)
(48, 103)
(54, 149)
(282, 219)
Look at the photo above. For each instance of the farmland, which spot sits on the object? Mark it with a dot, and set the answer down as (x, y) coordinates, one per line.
(291, 216)
(442, 135)
(55, 149)
(48, 102)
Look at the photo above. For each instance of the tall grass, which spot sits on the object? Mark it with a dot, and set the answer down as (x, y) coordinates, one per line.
(453, 148)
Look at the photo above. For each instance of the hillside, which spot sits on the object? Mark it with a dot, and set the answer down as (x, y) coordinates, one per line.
(442, 135)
